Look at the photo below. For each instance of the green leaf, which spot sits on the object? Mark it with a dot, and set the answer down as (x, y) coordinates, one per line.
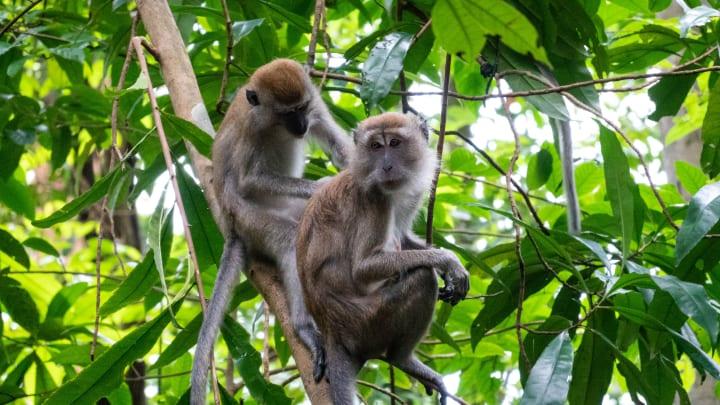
(461, 26)
(285, 15)
(535, 343)
(621, 188)
(539, 169)
(548, 380)
(41, 245)
(44, 382)
(248, 363)
(138, 283)
(690, 176)
(693, 301)
(19, 304)
(206, 236)
(160, 240)
(181, 344)
(439, 332)
(710, 156)
(669, 93)
(51, 327)
(383, 67)
(13, 248)
(17, 196)
(106, 372)
(360, 46)
(697, 17)
(597, 249)
(593, 365)
(703, 214)
(91, 196)
(76, 355)
(183, 129)
(242, 28)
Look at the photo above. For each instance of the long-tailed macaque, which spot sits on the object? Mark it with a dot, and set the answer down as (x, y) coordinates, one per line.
(258, 162)
(368, 282)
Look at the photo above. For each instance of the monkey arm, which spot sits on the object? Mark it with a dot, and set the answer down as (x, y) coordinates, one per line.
(277, 185)
(382, 265)
(331, 137)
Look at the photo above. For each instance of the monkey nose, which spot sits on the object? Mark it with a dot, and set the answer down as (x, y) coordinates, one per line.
(387, 168)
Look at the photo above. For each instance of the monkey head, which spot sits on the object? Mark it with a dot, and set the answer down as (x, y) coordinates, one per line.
(392, 153)
(280, 93)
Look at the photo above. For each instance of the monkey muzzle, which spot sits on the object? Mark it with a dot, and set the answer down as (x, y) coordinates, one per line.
(296, 123)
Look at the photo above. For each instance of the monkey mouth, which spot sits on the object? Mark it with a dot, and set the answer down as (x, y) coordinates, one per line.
(392, 184)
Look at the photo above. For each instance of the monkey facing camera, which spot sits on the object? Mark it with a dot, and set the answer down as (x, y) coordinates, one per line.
(258, 163)
(368, 282)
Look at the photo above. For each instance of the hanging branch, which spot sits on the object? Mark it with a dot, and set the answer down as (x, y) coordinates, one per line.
(170, 167)
(19, 16)
(228, 56)
(319, 10)
(516, 226)
(104, 213)
(440, 145)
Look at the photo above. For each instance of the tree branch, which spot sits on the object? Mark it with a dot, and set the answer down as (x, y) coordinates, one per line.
(19, 16)
(440, 145)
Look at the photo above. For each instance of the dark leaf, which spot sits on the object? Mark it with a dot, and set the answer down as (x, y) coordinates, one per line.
(548, 380)
(383, 66)
(13, 248)
(19, 304)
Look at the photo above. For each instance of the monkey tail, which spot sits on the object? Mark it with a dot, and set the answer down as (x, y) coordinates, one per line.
(232, 261)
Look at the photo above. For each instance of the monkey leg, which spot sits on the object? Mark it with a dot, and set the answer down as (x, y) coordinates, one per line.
(302, 322)
(232, 261)
(341, 372)
(427, 377)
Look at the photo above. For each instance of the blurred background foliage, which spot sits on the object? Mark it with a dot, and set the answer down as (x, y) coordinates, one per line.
(625, 311)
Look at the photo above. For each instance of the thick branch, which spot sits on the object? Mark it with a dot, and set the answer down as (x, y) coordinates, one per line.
(188, 104)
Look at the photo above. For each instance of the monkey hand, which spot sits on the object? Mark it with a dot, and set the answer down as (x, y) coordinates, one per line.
(457, 284)
(319, 183)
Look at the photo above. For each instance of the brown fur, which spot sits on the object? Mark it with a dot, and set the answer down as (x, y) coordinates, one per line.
(284, 78)
(368, 284)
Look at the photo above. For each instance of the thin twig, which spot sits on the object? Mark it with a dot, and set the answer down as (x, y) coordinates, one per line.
(19, 16)
(137, 43)
(440, 145)
(326, 44)
(516, 226)
(500, 170)
(319, 7)
(498, 186)
(391, 370)
(228, 56)
(382, 390)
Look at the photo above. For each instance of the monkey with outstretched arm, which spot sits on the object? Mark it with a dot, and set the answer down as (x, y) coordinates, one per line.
(258, 163)
(368, 282)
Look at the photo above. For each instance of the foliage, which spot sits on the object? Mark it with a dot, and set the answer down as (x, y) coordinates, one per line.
(626, 310)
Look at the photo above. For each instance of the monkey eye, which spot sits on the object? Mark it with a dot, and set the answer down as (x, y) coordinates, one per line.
(394, 142)
(375, 145)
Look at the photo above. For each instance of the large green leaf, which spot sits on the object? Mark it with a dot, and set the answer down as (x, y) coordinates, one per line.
(703, 214)
(206, 236)
(535, 343)
(383, 66)
(248, 362)
(106, 372)
(710, 157)
(51, 327)
(183, 129)
(668, 95)
(621, 188)
(690, 176)
(461, 26)
(19, 304)
(17, 196)
(539, 169)
(548, 380)
(13, 248)
(593, 365)
(693, 301)
(91, 196)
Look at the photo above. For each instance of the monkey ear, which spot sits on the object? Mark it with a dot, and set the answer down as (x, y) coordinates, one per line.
(252, 97)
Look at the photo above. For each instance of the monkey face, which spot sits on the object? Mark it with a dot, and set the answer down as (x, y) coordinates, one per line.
(295, 122)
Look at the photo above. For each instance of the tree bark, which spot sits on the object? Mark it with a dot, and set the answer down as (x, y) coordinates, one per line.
(188, 104)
